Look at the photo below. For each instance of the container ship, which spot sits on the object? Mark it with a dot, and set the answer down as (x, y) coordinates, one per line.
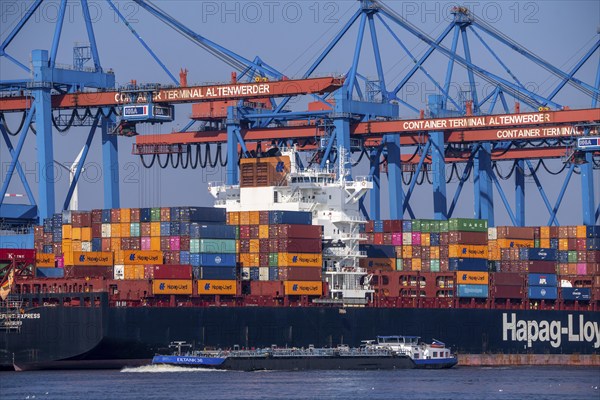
(286, 258)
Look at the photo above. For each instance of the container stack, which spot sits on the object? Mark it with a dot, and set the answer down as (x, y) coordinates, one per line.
(504, 245)
(213, 252)
(468, 256)
(280, 246)
(382, 245)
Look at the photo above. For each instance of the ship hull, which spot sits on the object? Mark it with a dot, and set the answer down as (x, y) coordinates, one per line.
(103, 336)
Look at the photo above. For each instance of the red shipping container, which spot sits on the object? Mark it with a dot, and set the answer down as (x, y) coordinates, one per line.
(184, 243)
(96, 216)
(125, 244)
(145, 229)
(299, 232)
(392, 225)
(135, 243)
(134, 214)
(263, 217)
(254, 231)
(444, 237)
(115, 215)
(299, 274)
(416, 252)
(299, 246)
(264, 247)
(508, 292)
(266, 288)
(378, 238)
(540, 267)
(263, 260)
(273, 231)
(508, 279)
(512, 232)
(165, 243)
(387, 238)
(580, 244)
(81, 271)
(172, 271)
(96, 230)
(244, 231)
(476, 238)
(106, 244)
(244, 245)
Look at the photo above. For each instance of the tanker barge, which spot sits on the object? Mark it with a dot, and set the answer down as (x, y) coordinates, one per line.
(287, 258)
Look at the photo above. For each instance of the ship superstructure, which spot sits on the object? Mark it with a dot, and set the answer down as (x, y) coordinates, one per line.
(330, 194)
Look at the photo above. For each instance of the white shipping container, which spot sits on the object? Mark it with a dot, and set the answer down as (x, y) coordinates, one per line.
(407, 238)
(119, 272)
(106, 231)
(86, 246)
(263, 274)
(492, 233)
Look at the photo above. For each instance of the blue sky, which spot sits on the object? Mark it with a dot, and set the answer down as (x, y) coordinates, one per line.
(289, 35)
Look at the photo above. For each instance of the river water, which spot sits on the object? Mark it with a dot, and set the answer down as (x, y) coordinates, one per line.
(165, 382)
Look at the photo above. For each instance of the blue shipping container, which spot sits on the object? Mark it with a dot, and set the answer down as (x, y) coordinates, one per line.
(592, 231)
(378, 226)
(480, 291)
(195, 259)
(543, 292)
(537, 254)
(197, 272)
(96, 244)
(222, 273)
(144, 215)
(217, 260)
(406, 226)
(184, 228)
(542, 279)
(106, 216)
(174, 228)
(434, 239)
(48, 249)
(49, 272)
(254, 273)
(165, 229)
(581, 294)
(273, 273)
(563, 256)
(592, 243)
(290, 217)
(467, 264)
(202, 214)
(379, 251)
(217, 231)
(184, 257)
(175, 214)
(554, 243)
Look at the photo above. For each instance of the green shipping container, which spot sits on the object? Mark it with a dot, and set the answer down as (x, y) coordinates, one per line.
(195, 246)
(467, 225)
(416, 225)
(273, 260)
(572, 256)
(237, 232)
(443, 226)
(155, 214)
(399, 264)
(425, 225)
(434, 265)
(226, 246)
(134, 229)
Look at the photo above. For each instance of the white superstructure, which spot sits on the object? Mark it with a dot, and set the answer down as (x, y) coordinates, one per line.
(333, 199)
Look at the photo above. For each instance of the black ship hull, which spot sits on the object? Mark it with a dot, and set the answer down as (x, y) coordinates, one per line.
(103, 336)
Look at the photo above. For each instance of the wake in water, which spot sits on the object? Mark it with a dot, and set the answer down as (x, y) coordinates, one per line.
(153, 369)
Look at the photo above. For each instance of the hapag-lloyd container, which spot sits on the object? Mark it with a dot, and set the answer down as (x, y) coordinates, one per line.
(303, 288)
(214, 286)
(479, 291)
(172, 286)
(472, 278)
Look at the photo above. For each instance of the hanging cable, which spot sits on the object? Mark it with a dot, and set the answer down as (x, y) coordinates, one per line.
(144, 161)
(173, 163)
(160, 164)
(15, 133)
(427, 176)
(410, 175)
(497, 169)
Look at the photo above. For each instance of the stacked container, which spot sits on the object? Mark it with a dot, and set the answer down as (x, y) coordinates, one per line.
(213, 251)
(383, 243)
(280, 246)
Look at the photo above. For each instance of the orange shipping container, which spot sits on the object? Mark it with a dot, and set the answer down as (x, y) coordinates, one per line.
(233, 218)
(92, 258)
(508, 243)
(171, 286)
(406, 251)
(155, 243)
(67, 232)
(545, 243)
(425, 239)
(154, 229)
(300, 260)
(217, 287)
(563, 244)
(263, 232)
(138, 257)
(125, 229)
(86, 234)
(434, 252)
(133, 272)
(244, 215)
(44, 260)
(545, 232)
(416, 264)
(467, 251)
(475, 278)
(303, 288)
(581, 232)
(254, 218)
(115, 244)
(125, 215)
(254, 245)
(249, 260)
(76, 245)
(76, 233)
(115, 230)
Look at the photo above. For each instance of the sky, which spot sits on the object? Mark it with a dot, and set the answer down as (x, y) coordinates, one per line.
(289, 35)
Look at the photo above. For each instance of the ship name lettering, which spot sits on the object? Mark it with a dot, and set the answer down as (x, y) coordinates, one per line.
(530, 331)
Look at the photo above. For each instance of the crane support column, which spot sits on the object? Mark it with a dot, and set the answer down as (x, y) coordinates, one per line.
(396, 194)
(484, 194)
(341, 123)
(520, 193)
(42, 77)
(375, 193)
(233, 128)
(110, 164)
(438, 163)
